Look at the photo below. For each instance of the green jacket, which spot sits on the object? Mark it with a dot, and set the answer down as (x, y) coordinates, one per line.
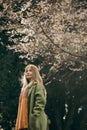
(36, 106)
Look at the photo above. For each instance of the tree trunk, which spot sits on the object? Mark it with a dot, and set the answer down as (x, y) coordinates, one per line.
(83, 123)
(58, 120)
(70, 118)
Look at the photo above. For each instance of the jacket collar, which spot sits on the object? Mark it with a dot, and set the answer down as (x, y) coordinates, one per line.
(30, 88)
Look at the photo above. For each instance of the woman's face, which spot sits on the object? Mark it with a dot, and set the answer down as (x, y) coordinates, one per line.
(28, 73)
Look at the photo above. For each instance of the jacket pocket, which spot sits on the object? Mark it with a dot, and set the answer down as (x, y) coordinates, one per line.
(34, 122)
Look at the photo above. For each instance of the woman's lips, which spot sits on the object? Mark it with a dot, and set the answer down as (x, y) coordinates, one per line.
(27, 75)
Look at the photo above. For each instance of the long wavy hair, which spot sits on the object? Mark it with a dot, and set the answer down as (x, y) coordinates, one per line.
(36, 77)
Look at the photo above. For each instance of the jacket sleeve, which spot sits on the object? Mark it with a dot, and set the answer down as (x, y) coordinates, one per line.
(40, 101)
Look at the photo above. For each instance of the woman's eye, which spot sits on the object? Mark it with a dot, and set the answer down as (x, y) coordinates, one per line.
(28, 71)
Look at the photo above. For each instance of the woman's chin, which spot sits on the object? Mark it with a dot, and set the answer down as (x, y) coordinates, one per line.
(28, 78)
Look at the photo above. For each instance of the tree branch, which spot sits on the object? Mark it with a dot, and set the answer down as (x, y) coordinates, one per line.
(74, 55)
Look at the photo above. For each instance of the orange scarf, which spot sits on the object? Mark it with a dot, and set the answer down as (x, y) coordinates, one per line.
(22, 117)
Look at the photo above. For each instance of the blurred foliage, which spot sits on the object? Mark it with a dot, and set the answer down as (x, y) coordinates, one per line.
(9, 87)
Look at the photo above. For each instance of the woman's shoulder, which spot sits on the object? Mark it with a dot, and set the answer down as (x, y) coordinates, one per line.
(39, 88)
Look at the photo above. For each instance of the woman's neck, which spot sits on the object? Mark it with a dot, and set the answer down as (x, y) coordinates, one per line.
(30, 83)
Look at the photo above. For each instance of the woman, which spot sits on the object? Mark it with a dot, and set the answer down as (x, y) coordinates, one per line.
(32, 101)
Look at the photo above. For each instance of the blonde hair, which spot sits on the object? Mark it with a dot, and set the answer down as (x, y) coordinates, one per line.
(36, 75)
(36, 78)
